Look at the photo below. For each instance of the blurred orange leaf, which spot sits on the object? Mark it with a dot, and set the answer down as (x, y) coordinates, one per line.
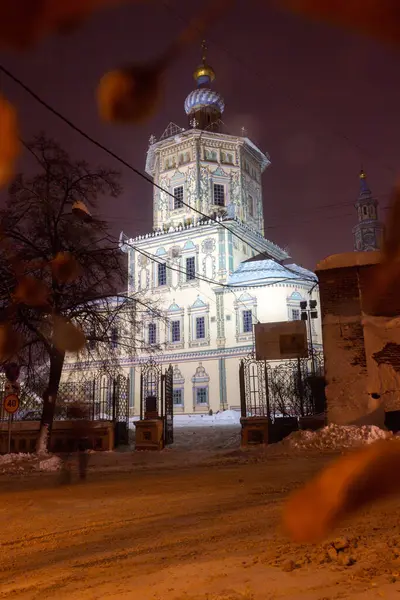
(65, 267)
(32, 292)
(67, 337)
(377, 18)
(10, 342)
(24, 22)
(9, 141)
(347, 485)
(130, 95)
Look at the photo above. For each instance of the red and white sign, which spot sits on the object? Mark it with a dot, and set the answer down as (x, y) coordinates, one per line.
(11, 403)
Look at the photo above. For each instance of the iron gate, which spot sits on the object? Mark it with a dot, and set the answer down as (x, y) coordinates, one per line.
(168, 406)
(105, 395)
(156, 396)
(278, 389)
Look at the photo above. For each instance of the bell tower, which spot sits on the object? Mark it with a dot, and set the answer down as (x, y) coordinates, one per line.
(368, 231)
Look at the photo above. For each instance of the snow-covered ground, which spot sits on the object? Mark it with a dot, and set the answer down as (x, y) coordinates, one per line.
(185, 534)
(205, 438)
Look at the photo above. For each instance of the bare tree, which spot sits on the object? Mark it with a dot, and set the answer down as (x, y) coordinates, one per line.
(61, 275)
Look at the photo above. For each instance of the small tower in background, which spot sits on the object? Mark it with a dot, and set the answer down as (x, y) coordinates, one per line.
(369, 230)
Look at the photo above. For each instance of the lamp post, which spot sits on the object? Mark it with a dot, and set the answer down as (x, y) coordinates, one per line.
(308, 313)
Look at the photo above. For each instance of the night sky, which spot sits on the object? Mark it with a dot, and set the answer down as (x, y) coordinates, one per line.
(321, 101)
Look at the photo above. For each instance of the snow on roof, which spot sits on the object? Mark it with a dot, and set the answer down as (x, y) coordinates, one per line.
(257, 271)
(349, 259)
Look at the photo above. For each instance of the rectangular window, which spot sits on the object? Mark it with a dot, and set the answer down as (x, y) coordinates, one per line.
(247, 321)
(190, 268)
(202, 395)
(250, 203)
(152, 333)
(219, 194)
(295, 314)
(178, 197)
(200, 328)
(162, 274)
(114, 337)
(176, 331)
(177, 397)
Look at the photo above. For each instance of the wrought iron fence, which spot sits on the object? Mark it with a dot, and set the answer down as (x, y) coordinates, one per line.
(280, 388)
(106, 398)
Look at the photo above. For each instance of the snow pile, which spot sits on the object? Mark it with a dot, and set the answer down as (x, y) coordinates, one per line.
(221, 418)
(336, 437)
(52, 463)
(20, 463)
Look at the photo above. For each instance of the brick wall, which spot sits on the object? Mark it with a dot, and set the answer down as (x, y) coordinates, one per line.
(360, 360)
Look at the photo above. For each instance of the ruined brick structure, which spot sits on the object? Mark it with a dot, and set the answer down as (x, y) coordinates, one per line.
(362, 351)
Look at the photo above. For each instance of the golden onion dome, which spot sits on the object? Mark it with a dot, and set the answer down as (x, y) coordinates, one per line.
(204, 70)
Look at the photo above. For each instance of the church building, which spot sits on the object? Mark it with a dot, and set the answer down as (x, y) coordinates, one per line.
(207, 266)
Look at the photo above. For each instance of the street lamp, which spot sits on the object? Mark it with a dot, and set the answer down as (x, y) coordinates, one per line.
(308, 313)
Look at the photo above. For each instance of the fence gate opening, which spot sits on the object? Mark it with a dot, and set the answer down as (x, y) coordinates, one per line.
(168, 406)
(156, 397)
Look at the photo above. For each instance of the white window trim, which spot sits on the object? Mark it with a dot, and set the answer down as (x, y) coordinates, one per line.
(240, 307)
(201, 311)
(190, 253)
(175, 316)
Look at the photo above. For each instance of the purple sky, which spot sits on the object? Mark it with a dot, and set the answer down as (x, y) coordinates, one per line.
(322, 102)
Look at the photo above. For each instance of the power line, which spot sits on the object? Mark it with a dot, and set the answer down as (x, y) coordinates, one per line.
(116, 156)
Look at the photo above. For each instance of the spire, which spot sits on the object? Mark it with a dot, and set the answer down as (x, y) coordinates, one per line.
(364, 189)
(204, 106)
(204, 74)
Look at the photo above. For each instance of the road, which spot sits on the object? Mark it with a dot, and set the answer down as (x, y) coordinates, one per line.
(197, 532)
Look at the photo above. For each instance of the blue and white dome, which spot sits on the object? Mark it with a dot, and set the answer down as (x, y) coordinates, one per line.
(204, 98)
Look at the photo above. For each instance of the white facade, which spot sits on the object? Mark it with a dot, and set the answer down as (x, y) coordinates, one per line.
(207, 266)
(193, 268)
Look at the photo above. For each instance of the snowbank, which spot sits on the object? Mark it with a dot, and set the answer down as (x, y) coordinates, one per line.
(222, 418)
(335, 437)
(20, 463)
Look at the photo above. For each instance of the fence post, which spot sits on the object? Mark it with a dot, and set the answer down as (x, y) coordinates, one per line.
(267, 390)
(242, 388)
(113, 400)
(300, 387)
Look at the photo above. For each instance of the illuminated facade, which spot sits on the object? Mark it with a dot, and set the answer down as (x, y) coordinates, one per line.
(207, 264)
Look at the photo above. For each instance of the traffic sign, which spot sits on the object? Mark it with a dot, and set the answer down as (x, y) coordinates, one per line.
(11, 404)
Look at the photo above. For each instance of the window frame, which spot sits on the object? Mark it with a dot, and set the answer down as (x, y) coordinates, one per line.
(174, 322)
(151, 331)
(181, 393)
(178, 202)
(200, 319)
(221, 186)
(193, 275)
(294, 312)
(245, 313)
(114, 336)
(199, 390)
(164, 265)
